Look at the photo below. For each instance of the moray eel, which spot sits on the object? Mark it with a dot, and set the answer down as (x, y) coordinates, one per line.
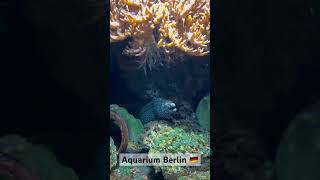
(156, 109)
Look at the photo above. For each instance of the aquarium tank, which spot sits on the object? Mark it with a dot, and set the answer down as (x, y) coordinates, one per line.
(160, 87)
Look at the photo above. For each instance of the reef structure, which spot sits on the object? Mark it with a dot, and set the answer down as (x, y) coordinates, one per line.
(160, 27)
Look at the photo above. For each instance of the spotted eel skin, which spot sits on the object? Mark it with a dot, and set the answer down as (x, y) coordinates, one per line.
(156, 109)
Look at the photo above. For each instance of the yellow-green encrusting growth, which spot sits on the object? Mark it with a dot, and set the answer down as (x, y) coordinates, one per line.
(162, 138)
(113, 154)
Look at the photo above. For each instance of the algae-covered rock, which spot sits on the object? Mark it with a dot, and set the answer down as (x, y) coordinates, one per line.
(134, 125)
(166, 139)
(298, 155)
(162, 138)
(37, 157)
(203, 112)
(205, 175)
(130, 172)
(134, 147)
(113, 154)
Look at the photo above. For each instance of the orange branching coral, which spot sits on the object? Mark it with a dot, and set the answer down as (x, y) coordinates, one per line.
(170, 25)
(186, 26)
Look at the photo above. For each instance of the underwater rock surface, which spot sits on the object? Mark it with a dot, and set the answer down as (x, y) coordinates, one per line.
(113, 154)
(130, 172)
(161, 137)
(182, 79)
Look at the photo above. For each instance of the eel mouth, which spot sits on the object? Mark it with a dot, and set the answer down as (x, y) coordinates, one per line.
(172, 106)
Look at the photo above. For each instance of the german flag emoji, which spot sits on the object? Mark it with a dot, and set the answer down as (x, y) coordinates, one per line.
(194, 159)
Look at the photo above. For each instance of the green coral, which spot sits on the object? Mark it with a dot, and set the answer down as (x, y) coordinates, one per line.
(202, 175)
(203, 112)
(134, 125)
(134, 147)
(128, 172)
(38, 157)
(298, 154)
(113, 154)
(166, 139)
(162, 138)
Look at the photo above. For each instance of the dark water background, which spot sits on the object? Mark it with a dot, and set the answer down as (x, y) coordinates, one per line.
(54, 80)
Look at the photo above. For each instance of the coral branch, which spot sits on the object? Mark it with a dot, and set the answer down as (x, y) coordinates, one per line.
(124, 131)
(170, 24)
